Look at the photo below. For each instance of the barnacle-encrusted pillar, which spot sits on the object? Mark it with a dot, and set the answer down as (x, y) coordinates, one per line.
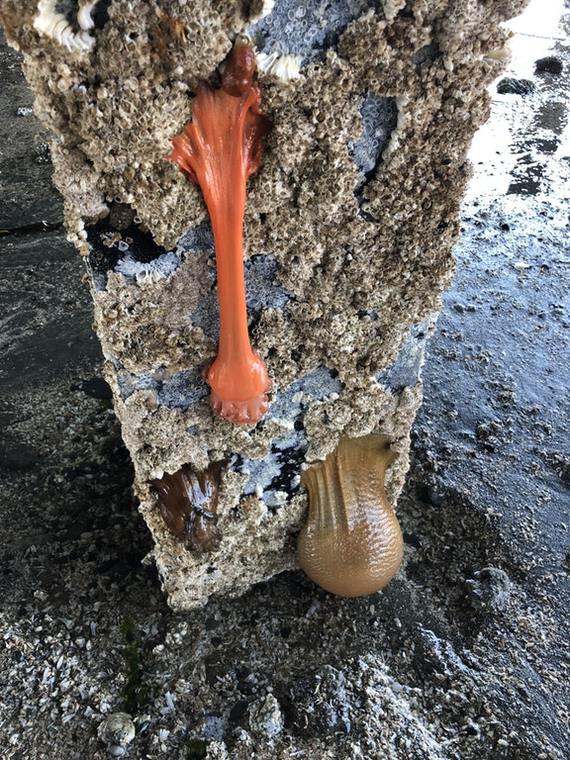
(349, 228)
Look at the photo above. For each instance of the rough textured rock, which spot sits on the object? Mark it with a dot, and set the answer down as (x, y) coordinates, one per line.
(85, 631)
(349, 229)
(549, 65)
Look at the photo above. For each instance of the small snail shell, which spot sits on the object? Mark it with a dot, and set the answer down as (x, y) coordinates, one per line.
(351, 543)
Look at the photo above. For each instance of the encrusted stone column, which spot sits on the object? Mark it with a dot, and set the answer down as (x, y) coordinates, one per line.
(349, 228)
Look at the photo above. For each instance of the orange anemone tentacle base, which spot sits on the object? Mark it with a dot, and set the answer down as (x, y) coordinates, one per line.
(218, 150)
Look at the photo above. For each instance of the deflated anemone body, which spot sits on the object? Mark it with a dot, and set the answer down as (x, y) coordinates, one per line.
(219, 149)
(188, 503)
(351, 544)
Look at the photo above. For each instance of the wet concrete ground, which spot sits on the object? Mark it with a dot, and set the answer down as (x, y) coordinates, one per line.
(466, 653)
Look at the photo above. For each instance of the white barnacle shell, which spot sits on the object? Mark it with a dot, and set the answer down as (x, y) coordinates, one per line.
(53, 24)
(147, 273)
(403, 116)
(283, 67)
(391, 8)
(84, 17)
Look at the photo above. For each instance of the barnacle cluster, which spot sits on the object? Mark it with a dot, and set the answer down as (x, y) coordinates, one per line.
(302, 29)
(391, 8)
(379, 120)
(54, 24)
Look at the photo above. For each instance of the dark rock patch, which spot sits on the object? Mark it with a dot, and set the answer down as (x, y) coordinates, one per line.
(511, 86)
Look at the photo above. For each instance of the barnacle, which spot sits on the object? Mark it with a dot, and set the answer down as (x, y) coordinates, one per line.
(283, 67)
(188, 503)
(84, 14)
(168, 30)
(402, 102)
(219, 149)
(55, 25)
(391, 8)
(351, 543)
